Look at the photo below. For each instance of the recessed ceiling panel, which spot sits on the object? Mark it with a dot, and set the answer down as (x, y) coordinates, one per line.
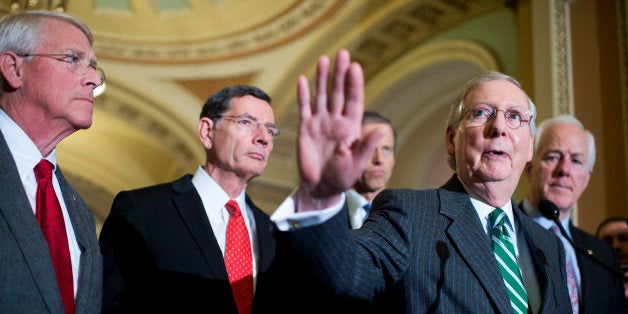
(196, 30)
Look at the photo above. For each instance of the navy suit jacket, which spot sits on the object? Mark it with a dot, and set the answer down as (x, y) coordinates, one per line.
(428, 251)
(161, 255)
(602, 292)
(28, 282)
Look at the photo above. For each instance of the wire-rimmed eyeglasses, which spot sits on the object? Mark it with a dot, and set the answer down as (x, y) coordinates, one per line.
(77, 63)
(481, 114)
(250, 124)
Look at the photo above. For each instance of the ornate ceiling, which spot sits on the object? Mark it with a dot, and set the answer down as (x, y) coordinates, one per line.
(164, 58)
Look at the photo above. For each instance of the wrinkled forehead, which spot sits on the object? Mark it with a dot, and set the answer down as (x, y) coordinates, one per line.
(63, 36)
(497, 93)
(253, 107)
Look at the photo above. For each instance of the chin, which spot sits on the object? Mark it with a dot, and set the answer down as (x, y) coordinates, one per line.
(84, 125)
(560, 202)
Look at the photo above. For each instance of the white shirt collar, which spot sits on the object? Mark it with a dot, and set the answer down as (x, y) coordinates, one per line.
(217, 197)
(484, 210)
(355, 200)
(23, 149)
(536, 215)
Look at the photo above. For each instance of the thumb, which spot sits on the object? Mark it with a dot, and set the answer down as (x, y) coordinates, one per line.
(363, 151)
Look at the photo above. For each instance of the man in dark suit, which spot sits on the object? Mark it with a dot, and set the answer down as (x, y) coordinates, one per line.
(48, 77)
(559, 172)
(168, 248)
(377, 172)
(433, 247)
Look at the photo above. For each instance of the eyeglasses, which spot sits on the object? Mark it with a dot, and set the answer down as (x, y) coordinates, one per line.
(77, 63)
(481, 114)
(249, 124)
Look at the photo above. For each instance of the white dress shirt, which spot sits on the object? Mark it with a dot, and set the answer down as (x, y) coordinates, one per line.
(214, 199)
(355, 205)
(26, 156)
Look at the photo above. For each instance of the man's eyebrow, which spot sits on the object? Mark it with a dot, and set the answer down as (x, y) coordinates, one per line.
(79, 53)
(577, 154)
(249, 116)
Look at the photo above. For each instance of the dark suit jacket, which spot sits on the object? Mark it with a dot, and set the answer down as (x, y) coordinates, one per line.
(160, 253)
(429, 251)
(27, 278)
(601, 291)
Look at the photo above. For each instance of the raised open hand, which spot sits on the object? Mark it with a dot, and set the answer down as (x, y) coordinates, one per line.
(331, 152)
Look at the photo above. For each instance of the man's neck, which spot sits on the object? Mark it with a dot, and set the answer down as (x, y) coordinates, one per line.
(368, 195)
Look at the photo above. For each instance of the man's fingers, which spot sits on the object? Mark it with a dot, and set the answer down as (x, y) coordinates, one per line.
(366, 147)
(337, 102)
(322, 72)
(303, 96)
(354, 92)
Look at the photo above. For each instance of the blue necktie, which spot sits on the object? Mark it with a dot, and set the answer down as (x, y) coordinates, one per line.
(367, 208)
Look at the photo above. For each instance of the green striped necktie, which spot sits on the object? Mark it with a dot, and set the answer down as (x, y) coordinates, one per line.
(507, 261)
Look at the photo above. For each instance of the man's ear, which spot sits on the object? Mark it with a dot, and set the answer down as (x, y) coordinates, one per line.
(205, 131)
(450, 144)
(528, 170)
(11, 67)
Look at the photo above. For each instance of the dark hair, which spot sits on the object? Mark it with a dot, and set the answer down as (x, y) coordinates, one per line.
(220, 102)
(607, 221)
(372, 117)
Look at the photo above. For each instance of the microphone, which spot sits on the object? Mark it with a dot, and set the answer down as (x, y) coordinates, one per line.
(550, 211)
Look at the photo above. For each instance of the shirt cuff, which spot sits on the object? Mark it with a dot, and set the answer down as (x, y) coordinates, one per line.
(286, 219)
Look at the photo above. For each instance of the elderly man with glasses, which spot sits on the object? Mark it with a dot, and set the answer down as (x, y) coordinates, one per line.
(49, 256)
(462, 248)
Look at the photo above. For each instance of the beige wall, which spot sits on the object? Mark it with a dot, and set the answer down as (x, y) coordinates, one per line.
(598, 103)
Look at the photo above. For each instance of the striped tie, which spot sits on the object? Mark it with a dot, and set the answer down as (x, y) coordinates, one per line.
(507, 261)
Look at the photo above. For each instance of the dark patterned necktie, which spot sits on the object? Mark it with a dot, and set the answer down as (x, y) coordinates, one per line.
(571, 279)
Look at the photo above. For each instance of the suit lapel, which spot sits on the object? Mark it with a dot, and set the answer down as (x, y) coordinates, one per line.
(544, 275)
(586, 267)
(17, 211)
(86, 239)
(189, 205)
(265, 240)
(473, 244)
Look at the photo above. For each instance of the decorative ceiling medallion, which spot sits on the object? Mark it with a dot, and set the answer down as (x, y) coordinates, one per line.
(188, 36)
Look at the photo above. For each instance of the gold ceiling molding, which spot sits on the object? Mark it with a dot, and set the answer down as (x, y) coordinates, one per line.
(203, 88)
(194, 37)
(410, 25)
(160, 125)
(15, 6)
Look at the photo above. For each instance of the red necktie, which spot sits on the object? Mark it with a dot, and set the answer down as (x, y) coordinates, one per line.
(50, 220)
(239, 259)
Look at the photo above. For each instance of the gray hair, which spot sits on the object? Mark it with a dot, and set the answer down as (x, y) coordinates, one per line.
(455, 114)
(568, 119)
(22, 32)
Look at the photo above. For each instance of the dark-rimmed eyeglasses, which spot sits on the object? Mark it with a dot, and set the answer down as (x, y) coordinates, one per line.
(249, 124)
(77, 63)
(481, 114)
